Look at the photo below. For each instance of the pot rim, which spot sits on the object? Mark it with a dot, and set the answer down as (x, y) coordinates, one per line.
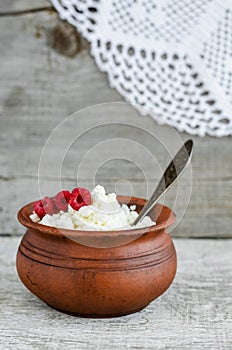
(25, 211)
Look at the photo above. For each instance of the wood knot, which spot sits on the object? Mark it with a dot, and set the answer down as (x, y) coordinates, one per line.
(64, 39)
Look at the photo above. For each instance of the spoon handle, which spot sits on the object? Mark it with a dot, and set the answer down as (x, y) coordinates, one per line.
(178, 163)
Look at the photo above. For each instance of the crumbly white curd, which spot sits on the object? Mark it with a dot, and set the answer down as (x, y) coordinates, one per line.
(104, 214)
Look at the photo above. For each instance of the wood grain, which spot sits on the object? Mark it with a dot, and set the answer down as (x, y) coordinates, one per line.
(39, 88)
(17, 192)
(195, 313)
(18, 7)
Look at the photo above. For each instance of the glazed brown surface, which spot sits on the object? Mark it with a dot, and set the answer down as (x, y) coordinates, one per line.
(97, 274)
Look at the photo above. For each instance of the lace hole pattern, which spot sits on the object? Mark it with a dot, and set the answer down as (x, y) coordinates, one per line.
(161, 80)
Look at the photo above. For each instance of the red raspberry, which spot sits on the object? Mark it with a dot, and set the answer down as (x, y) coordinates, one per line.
(44, 206)
(61, 200)
(38, 209)
(79, 198)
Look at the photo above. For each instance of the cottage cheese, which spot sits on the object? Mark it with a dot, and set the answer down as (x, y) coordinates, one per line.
(105, 213)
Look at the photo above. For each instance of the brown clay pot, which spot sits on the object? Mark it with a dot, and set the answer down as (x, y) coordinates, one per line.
(98, 273)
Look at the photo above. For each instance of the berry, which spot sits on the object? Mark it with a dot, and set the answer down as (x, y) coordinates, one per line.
(44, 206)
(38, 209)
(61, 200)
(79, 198)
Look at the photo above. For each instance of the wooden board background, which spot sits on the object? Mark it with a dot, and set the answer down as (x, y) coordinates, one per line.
(40, 87)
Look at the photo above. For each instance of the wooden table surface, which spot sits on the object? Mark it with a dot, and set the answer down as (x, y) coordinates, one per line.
(195, 313)
(47, 74)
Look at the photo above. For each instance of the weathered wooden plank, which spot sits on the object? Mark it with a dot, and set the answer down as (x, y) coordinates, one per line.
(195, 313)
(212, 157)
(39, 88)
(15, 7)
(215, 220)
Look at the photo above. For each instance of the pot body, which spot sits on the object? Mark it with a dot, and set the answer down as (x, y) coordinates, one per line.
(96, 282)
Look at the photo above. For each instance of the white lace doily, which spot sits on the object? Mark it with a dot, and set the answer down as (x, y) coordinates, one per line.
(171, 59)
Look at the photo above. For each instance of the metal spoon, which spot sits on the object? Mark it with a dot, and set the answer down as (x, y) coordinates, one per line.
(178, 163)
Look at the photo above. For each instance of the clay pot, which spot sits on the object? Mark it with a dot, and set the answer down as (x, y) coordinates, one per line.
(98, 273)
